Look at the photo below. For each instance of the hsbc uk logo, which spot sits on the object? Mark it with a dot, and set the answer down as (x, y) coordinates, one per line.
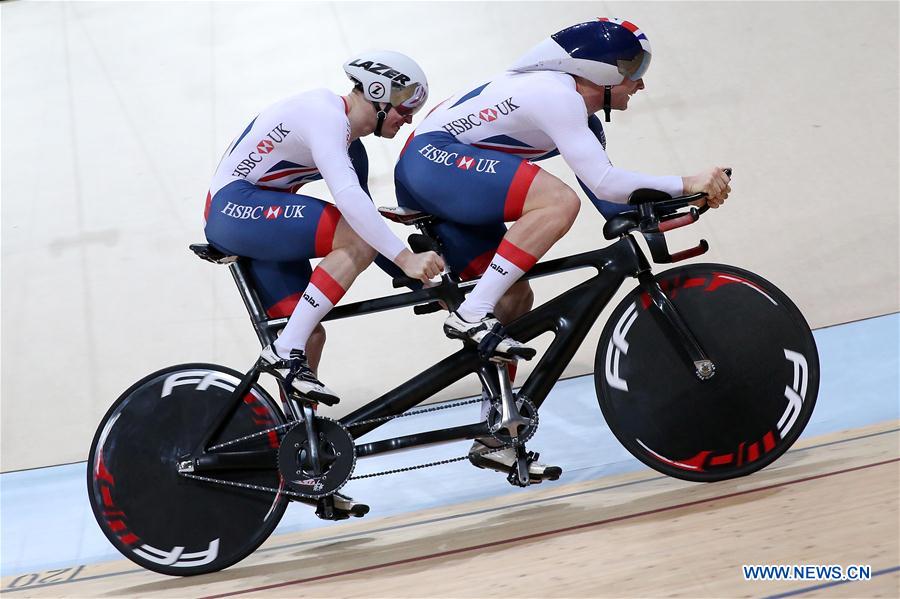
(463, 162)
(265, 146)
(486, 115)
(239, 212)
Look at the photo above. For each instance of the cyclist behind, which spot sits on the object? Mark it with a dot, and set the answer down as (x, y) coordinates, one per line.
(471, 162)
(252, 209)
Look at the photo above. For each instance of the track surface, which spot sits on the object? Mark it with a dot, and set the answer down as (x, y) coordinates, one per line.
(833, 500)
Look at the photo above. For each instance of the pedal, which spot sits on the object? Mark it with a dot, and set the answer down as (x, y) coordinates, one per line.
(315, 398)
(339, 507)
(325, 509)
(488, 346)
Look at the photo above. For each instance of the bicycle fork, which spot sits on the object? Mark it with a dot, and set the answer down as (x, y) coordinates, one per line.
(675, 327)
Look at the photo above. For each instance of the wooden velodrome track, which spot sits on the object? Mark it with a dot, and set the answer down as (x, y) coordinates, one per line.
(830, 500)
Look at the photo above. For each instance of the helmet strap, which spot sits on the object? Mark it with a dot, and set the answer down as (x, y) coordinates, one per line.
(380, 115)
(607, 101)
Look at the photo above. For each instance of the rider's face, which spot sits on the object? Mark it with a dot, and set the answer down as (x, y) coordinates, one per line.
(620, 94)
(393, 122)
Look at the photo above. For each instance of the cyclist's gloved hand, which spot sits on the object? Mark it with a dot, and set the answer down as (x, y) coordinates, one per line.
(424, 266)
(713, 182)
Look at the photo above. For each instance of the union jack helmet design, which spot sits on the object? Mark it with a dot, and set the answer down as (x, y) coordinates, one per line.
(605, 52)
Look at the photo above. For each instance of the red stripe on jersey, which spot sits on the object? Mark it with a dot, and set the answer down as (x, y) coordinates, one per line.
(287, 173)
(325, 230)
(506, 150)
(285, 307)
(408, 139)
(208, 204)
(476, 267)
(327, 285)
(518, 190)
(516, 255)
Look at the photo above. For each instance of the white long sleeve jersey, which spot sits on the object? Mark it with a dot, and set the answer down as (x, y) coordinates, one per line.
(533, 115)
(294, 141)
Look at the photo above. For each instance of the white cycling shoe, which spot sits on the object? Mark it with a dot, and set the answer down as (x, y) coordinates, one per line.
(296, 372)
(488, 334)
(504, 460)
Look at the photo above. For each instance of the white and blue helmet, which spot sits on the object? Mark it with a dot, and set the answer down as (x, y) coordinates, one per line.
(605, 52)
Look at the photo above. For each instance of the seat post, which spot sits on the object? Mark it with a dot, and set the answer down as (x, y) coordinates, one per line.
(254, 306)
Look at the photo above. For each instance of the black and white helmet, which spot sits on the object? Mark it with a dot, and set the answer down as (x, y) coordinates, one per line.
(389, 77)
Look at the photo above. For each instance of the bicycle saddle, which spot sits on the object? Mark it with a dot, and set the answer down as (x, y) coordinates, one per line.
(211, 254)
(405, 216)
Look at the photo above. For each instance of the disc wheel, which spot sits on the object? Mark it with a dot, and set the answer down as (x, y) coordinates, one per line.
(741, 419)
(159, 519)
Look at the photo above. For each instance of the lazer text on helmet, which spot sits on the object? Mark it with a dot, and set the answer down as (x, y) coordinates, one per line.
(380, 68)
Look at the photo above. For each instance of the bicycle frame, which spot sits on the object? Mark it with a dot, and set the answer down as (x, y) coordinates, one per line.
(569, 316)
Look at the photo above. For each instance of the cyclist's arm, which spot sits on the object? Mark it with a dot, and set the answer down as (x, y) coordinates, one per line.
(330, 155)
(567, 126)
(360, 161)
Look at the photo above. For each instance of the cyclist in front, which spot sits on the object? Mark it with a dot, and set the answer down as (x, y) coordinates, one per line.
(471, 162)
(253, 210)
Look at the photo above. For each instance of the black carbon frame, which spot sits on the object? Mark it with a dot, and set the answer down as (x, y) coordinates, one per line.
(569, 316)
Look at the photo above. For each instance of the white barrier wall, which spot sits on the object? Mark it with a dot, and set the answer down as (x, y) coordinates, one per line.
(114, 116)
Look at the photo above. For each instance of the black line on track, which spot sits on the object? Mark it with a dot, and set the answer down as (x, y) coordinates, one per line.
(438, 519)
(549, 533)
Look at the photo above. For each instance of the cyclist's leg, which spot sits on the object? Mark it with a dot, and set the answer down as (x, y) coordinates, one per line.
(280, 286)
(475, 186)
(348, 256)
(280, 227)
(548, 212)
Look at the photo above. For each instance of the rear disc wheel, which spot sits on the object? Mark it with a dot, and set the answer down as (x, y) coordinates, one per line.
(159, 519)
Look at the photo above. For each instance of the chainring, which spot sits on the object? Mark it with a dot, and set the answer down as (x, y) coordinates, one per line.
(337, 457)
(526, 408)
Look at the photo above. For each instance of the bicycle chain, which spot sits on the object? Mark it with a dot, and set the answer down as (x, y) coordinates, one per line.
(288, 425)
(370, 421)
(231, 483)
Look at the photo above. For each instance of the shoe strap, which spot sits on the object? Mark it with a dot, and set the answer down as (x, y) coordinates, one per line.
(491, 340)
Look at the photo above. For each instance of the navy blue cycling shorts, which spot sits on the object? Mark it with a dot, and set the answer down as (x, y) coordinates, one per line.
(277, 232)
(473, 190)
